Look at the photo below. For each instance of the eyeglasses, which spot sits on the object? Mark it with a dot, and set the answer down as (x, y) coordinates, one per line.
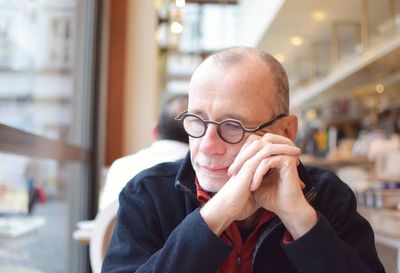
(229, 130)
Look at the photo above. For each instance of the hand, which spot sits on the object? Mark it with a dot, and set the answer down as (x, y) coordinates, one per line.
(234, 202)
(275, 160)
(276, 185)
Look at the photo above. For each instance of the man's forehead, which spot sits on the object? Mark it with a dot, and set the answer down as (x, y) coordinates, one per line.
(250, 112)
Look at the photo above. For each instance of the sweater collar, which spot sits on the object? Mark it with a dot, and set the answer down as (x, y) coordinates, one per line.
(185, 179)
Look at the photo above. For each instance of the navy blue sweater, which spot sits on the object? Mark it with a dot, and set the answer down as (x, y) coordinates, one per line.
(159, 229)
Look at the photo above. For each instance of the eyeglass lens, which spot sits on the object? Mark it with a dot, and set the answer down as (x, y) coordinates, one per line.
(194, 126)
(230, 131)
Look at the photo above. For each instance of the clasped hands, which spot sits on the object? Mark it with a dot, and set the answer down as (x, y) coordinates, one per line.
(263, 175)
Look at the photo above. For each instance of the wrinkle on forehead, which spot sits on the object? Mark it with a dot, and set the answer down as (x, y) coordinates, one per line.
(250, 75)
(235, 91)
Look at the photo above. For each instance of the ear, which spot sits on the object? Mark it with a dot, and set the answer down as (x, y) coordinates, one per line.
(290, 126)
(155, 133)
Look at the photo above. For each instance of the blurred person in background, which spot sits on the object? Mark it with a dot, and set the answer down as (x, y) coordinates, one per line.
(170, 144)
(241, 201)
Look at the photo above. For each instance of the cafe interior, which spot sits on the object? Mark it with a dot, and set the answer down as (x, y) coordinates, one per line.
(81, 84)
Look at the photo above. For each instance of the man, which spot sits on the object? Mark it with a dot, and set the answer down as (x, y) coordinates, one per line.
(242, 201)
(170, 144)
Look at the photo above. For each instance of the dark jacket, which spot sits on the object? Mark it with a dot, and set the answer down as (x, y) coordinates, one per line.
(159, 229)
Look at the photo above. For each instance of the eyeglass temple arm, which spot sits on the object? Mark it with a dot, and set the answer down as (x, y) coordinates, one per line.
(265, 124)
(179, 116)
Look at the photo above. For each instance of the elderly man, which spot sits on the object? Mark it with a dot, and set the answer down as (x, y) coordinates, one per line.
(241, 201)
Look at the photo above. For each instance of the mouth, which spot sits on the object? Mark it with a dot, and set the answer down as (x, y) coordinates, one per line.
(215, 170)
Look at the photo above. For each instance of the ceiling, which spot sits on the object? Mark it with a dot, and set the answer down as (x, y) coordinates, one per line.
(295, 19)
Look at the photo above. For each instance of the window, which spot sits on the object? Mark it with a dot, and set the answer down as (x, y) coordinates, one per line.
(46, 132)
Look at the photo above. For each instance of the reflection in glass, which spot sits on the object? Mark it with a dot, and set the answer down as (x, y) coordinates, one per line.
(43, 192)
(41, 91)
(37, 40)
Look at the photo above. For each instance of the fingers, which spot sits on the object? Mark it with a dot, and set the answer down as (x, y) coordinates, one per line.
(258, 176)
(260, 150)
(269, 164)
(273, 138)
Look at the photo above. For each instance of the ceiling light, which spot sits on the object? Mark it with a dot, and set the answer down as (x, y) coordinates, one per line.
(296, 40)
(379, 88)
(319, 15)
(180, 3)
(176, 27)
(280, 57)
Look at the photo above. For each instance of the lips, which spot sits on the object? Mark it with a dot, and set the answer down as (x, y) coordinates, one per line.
(214, 169)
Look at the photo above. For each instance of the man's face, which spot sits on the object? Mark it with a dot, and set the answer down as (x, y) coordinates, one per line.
(242, 91)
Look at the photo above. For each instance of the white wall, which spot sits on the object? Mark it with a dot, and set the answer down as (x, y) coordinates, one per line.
(142, 76)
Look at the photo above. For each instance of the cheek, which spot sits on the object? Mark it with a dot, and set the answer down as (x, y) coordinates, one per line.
(194, 144)
(235, 149)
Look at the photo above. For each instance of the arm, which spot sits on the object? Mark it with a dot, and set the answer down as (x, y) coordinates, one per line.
(137, 244)
(274, 181)
(343, 243)
(237, 200)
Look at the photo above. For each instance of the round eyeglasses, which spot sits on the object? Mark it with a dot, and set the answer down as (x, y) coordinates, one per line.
(229, 130)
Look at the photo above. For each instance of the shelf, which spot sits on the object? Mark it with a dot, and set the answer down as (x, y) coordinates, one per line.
(375, 63)
(387, 240)
(333, 164)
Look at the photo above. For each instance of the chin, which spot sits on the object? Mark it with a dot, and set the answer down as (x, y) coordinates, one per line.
(211, 184)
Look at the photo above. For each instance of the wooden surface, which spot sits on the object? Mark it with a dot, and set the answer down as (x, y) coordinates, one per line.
(20, 142)
(116, 79)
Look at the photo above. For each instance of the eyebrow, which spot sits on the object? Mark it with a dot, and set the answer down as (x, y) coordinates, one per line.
(243, 120)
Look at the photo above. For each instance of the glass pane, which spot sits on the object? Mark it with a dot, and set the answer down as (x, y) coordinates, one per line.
(209, 27)
(46, 194)
(206, 28)
(37, 63)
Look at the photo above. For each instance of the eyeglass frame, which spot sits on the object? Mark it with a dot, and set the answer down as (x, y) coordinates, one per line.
(181, 117)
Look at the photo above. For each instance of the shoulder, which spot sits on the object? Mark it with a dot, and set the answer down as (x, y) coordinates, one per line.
(327, 184)
(158, 177)
(332, 194)
(321, 178)
(152, 193)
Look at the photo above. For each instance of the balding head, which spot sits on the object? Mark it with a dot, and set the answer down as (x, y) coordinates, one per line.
(273, 69)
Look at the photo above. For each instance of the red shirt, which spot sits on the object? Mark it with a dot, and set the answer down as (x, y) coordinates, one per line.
(240, 259)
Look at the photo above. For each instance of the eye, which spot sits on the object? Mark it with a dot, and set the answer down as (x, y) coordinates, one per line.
(193, 125)
(231, 129)
(231, 125)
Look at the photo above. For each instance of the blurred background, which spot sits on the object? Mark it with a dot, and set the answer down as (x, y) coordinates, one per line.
(81, 83)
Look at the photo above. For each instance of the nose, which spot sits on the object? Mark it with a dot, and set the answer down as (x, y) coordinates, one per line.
(211, 143)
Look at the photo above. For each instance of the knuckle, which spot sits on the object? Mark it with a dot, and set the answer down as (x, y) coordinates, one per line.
(268, 149)
(252, 138)
(256, 145)
(267, 136)
(247, 165)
